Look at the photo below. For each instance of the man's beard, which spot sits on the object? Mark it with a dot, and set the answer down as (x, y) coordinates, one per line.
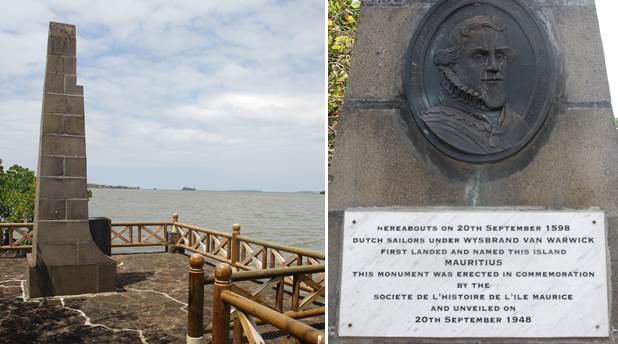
(494, 95)
(486, 98)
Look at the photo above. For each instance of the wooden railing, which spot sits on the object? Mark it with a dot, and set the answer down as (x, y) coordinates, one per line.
(254, 303)
(241, 252)
(18, 236)
(15, 236)
(132, 234)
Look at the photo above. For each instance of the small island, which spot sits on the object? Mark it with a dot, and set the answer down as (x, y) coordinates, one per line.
(186, 188)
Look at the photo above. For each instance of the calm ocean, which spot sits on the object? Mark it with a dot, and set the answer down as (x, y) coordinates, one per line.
(295, 219)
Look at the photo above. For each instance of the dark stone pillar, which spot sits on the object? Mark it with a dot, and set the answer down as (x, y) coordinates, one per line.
(64, 259)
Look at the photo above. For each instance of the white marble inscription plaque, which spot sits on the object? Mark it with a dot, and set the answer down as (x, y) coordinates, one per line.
(490, 273)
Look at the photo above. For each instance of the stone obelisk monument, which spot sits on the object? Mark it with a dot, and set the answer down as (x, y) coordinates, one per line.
(64, 258)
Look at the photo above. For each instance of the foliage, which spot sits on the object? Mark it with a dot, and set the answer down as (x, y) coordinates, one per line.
(17, 191)
(342, 16)
(616, 122)
(17, 194)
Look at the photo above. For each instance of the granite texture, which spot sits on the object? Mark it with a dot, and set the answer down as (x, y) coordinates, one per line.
(382, 160)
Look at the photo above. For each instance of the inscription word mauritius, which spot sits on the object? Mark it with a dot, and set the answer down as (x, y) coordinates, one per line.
(473, 184)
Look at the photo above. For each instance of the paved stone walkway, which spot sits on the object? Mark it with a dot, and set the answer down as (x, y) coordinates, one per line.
(149, 306)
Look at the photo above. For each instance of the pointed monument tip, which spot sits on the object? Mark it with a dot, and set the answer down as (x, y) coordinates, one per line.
(61, 40)
(61, 29)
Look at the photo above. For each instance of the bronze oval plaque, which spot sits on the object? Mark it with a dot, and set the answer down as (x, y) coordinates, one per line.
(480, 78)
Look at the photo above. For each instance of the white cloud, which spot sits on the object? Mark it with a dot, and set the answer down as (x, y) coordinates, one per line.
(198, 82)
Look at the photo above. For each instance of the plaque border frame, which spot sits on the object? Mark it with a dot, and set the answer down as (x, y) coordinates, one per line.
(607, 252)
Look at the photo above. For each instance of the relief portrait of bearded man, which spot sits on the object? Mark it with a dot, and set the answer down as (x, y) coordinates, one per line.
(473, 115)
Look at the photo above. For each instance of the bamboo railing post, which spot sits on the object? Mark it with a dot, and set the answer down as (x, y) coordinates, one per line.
(279, 296)
(195, 331)
(296, 286)
(237, 331)
(221, 309)
(10, 235)
(295, 300)
(264, 257)
(235, 244)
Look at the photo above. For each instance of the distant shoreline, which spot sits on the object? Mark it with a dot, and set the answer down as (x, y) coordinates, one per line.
(122, 187)
(104, 186)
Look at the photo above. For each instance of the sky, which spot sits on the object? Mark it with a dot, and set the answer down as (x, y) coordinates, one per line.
(216, 95)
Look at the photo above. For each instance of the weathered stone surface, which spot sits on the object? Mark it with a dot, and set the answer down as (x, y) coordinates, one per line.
(584, 64)
(612, 241)
(384, 32)
(77, 209)
(60, 188)
(382, 38)
(54, 232)
(75, 167)
(64, 145)
(74, 279)
(335, 243)
(394, 170)
(52, 166)
(65, 260)
(376, 165)
(70, 86)
(61, 39)
(54, 83)
(64, 103)
(61, 64)
(74, 125)
(51, 254)
(53, 124)
(52, 209)
(576, 168)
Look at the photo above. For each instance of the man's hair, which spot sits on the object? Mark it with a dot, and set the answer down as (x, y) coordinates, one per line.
(461, 34)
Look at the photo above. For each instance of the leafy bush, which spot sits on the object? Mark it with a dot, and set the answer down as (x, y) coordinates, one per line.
(342, 16)
(17, 191)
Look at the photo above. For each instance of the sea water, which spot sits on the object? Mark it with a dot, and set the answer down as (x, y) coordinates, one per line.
(289, 218)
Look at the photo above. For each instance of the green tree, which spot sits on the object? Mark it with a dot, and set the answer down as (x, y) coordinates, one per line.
(342, 16)
(17, 192)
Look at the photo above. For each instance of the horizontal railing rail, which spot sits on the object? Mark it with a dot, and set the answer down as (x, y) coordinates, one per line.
(241, 252)
(248, 303)
(18, 236)
(15, 236)
(135, 234)
(270, 273)
(245, 307)
(211, 243)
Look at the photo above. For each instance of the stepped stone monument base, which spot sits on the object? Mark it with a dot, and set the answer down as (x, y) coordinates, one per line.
(64, 259)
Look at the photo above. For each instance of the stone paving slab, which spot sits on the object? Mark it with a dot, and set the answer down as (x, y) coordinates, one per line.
(149, 306)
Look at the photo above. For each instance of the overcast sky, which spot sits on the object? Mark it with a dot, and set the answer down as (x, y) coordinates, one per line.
(208, 94)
